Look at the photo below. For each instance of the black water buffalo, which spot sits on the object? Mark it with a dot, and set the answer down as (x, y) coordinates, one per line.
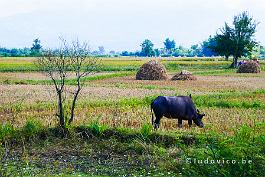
(180, 107)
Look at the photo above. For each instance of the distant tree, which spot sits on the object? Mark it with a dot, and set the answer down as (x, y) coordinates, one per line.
(223, 42)
(147, 48)
(157, 52)
(170, 45)
(36, 47)
(243, 36)
(101, 50)
(196, 50)
(36, 44)
(112, 52)
(206, 46)
(124, 53)
(58, 65)
(262, 51)
(238, 39)
(137, 53)
(177, 53)
(14, 52)
(255, 53)
(180, 51)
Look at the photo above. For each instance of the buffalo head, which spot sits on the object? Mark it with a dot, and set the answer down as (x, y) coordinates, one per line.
(198, 119)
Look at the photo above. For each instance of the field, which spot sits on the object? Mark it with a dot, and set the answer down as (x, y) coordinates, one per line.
(112, 135)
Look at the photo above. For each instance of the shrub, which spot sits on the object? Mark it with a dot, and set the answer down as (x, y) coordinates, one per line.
(6, 131)
(31, 128)
(97, 129)
(146, 130)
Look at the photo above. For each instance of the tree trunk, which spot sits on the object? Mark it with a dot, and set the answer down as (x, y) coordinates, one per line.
(235, 62)
(75, 99)
(73, 106)
(226, 58)
(60, 109)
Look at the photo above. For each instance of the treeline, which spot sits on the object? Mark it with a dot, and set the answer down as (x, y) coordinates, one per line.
(15, 52)
(199, 50)
(35, 50)
(170, 49)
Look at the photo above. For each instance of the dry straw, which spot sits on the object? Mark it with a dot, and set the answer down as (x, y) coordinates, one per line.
(249, 67)
(152, 70)
(184, 75)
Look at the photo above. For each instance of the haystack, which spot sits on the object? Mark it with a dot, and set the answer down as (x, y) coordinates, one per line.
(249, 67)
(184, 75)
(152, 70)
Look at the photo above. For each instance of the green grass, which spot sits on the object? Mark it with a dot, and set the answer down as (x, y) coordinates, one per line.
(95, 151)
(218, 100)
(69, 81)
(231, 100)
(214, 72)
(180, 65)
(120, 64)
(18, 67)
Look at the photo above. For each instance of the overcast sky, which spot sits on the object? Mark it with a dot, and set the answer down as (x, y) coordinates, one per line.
(120, 24)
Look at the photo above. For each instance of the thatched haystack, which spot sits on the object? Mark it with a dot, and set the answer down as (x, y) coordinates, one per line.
(184, 75)
(249, 67)
(152, 70)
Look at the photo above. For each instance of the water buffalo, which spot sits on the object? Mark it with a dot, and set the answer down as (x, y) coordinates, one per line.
(176, 107)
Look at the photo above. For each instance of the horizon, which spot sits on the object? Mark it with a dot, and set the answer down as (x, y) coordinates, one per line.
(119, 25)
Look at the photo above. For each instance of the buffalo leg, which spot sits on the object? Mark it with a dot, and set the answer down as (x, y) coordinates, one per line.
(180, 123)
(157, 120)
(190, 123)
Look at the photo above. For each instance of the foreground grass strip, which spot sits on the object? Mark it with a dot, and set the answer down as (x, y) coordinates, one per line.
(97, 150)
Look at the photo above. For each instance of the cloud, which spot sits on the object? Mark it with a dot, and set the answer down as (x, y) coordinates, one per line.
(13, 7)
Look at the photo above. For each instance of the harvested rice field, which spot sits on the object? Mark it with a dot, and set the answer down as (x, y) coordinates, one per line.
(113, 104)
(100, 99)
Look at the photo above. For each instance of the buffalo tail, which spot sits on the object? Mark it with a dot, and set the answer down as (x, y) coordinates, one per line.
(152, 114)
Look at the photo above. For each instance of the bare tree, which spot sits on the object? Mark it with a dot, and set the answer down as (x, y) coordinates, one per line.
(58, 64)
